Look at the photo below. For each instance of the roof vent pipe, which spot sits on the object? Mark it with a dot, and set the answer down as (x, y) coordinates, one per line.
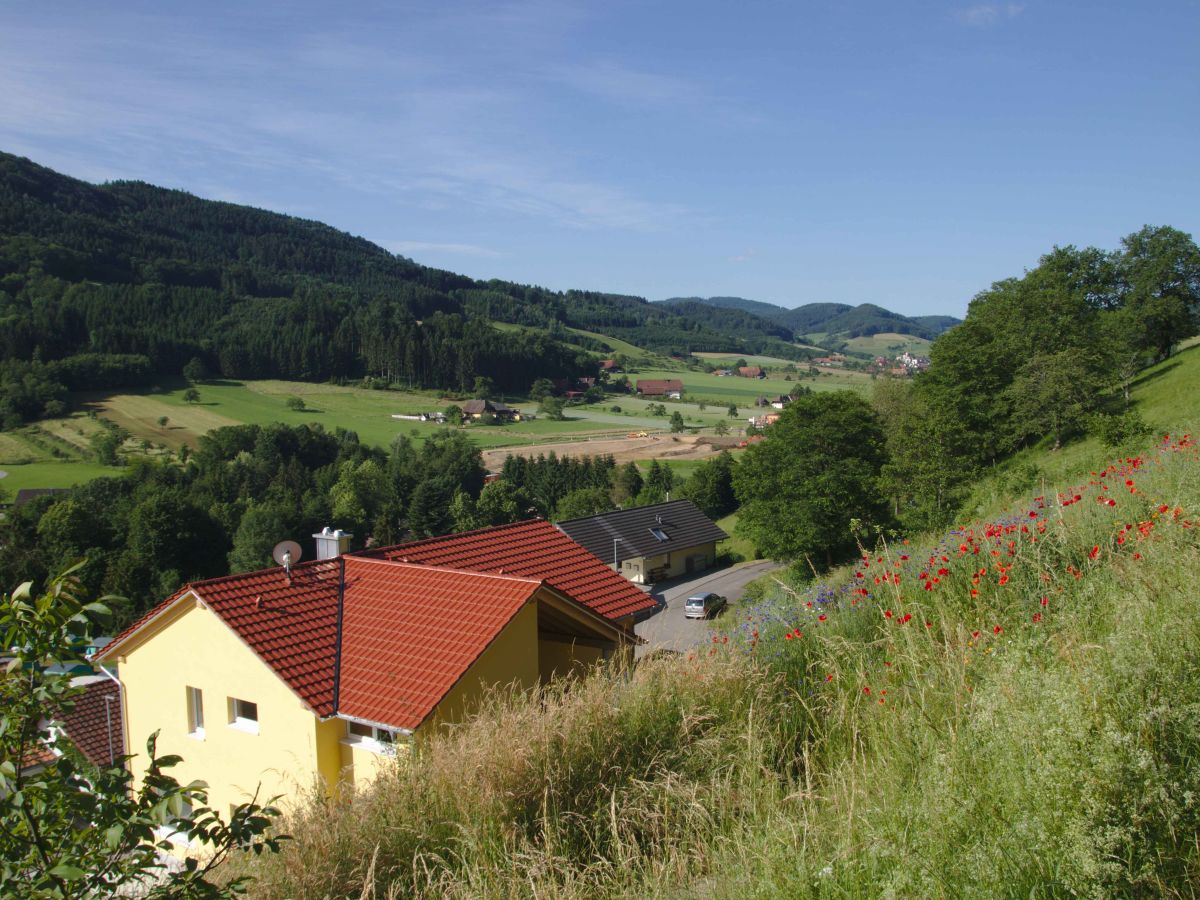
(332, 542)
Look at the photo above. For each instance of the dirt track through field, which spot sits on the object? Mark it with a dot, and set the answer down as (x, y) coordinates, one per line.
(656, 446)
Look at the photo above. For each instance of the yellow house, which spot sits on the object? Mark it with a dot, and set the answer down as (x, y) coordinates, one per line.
(270, 682)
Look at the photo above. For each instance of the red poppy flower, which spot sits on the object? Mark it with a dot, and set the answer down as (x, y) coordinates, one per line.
(829, 677)
(866, 690)
(1037, 617)
(822, 617)
(997, 630)
(887, 614)
(1095, 552)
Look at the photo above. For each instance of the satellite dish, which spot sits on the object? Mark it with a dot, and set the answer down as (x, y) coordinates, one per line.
(287, 553)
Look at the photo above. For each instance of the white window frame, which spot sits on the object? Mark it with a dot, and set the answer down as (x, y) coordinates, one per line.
(195, 712)
(377, 740)
(238, 718)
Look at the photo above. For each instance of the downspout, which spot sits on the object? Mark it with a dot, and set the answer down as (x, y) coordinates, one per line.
(124, 715)
(337, 649)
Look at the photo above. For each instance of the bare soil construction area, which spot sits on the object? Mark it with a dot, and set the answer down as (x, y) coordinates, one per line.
(656, 446)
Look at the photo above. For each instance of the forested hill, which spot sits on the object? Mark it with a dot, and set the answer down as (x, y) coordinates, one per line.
(130, 281)
(838, 319)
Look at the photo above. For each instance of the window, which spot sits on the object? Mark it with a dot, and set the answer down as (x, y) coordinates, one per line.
(371, 736)
(659, 534)
(195, 712)
(243, 714)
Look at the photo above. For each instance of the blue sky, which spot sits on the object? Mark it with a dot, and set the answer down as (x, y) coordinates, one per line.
(902, 153)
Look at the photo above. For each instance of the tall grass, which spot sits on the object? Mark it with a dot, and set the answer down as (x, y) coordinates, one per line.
(1029, 730)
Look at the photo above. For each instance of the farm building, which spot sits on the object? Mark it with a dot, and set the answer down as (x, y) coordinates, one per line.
(672, 388)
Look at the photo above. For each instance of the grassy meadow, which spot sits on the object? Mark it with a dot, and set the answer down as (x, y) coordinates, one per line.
(1006, 709)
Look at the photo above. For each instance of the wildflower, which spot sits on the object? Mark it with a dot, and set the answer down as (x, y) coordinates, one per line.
(829, 677)
(1003, 579)
(1045, 601)
(866, 690)
(1095, 552)
(822, 617)
(904, 618)
(1037, 617)
(887, 614)
(997, 630)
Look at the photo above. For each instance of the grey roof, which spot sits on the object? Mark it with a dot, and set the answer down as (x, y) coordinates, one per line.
(25, 495)
(683, 524)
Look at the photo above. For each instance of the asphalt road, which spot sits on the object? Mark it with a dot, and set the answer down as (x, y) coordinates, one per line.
(668, 629)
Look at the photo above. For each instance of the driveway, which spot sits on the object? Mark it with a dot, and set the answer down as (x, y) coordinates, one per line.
(667, 629)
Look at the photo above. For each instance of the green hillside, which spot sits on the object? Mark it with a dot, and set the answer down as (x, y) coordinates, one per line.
(835, 322)
(123, 284)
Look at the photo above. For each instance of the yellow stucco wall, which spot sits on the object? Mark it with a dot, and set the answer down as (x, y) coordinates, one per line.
(637, 569)
(193, 648)
(558, 658)
(512, 656)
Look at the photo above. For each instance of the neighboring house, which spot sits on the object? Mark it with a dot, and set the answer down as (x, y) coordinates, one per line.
(278, 680)
(609, 365)
(93, 726)
(474, 409)
(751, 372)
(650, 543)
(672, 388)
(780, 402)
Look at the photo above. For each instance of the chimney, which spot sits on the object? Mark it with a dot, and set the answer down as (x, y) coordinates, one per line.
(332, 542)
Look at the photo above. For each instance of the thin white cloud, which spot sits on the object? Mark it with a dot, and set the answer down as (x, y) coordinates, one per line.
(744, 257)
(621, 84)
(417, 130)
(987, 14)
(417, 248)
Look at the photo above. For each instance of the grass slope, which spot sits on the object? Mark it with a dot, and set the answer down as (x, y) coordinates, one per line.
(1009, 709)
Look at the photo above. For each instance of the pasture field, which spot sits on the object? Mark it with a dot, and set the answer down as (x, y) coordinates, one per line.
(726, 359)
(889, 344)
(51, 474)
(618, 345)
(716, 389)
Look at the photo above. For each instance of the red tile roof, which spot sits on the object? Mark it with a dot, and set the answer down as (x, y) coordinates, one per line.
(410, 632)
(531, 549)
(656, 386)
(94, 725)
(291, 625)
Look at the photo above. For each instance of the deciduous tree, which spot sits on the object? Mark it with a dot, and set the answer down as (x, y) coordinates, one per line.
(815, 471)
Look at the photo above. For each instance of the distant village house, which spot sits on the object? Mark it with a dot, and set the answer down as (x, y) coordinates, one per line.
(671, 388)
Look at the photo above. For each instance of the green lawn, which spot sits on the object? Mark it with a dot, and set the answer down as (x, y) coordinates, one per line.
(51, 475)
